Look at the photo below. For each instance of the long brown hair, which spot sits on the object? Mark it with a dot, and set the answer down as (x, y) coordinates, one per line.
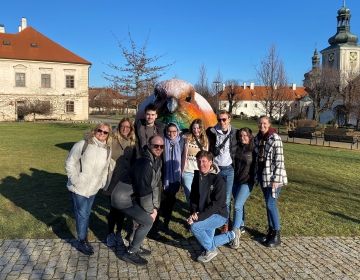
(131, 135)
(203, 138)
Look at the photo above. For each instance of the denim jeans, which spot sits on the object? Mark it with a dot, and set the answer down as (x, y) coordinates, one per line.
(187, 179)
(137, 214)
(227, 172)
(241, 193)
(204, 232)
(82, 209)
(271, 208)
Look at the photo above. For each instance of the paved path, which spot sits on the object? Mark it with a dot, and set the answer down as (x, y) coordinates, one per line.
(298, 258)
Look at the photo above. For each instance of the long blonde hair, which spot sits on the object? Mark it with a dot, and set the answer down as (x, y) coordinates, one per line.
(92, 133)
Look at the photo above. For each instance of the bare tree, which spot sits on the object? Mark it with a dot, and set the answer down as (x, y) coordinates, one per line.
(217, 88)
(35, 107)
(139, 74)
(272, 76)
(323, 86)
(350, 94)
(202, 87)
(232, 93)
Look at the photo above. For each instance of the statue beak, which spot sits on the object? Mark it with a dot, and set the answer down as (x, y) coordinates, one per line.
(172, 104)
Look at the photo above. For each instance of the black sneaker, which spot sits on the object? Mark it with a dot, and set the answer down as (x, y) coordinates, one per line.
(134, 258)
(91, 248)
(144, 252)
(84, 248)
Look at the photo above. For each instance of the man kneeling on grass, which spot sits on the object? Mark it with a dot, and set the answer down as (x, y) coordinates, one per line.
(208, 207)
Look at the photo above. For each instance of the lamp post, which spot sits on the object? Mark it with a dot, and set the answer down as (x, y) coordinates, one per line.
(217, 84)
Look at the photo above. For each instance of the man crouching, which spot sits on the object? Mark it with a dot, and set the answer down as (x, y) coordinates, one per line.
(208, 207)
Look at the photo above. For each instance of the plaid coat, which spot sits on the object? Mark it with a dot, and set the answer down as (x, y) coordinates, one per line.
(274, 169)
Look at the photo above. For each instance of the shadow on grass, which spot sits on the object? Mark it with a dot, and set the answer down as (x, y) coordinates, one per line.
(345, 217)
(44, 195)
(65, 146)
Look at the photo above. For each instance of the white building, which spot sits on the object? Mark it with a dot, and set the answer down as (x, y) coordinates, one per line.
(250, 101)
(35, 68)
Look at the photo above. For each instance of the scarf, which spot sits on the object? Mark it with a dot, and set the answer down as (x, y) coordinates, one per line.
(172, 161)
(263, 139)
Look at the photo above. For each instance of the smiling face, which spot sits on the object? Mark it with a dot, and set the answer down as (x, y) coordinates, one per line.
(102, 133)
(264, 125)
(204, 164)
(150, 117)
(172, 132)
(125, 128)
(156, 146)
(224, 121)
(196, 130)
(244, 137)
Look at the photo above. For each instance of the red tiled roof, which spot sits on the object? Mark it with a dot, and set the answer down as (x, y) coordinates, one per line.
(259, 93)
(30, 44)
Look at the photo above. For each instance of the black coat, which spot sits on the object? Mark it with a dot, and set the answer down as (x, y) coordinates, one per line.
(244, 165)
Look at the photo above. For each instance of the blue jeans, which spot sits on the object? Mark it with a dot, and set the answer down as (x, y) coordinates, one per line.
(82, 209)
(241, 193)
(204, 232)
(271, 208)
(187, 179)
(227, 172)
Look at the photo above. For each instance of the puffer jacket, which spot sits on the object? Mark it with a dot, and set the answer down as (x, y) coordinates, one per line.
(94, 165)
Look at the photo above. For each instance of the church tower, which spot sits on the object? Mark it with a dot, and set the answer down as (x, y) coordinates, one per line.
(343, 54)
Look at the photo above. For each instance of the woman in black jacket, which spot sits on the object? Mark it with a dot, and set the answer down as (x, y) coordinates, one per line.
(243, 179)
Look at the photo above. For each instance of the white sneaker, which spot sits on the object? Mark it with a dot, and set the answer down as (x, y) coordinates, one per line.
(207, 256)
(111, 240)
(235, 243)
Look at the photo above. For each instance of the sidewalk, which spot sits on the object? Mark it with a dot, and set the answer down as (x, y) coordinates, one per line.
(298, 258)
(320, 142)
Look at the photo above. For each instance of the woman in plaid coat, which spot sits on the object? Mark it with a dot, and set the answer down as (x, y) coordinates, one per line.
(270, 173)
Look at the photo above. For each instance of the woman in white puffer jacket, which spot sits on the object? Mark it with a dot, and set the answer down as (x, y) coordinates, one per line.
(87, 167)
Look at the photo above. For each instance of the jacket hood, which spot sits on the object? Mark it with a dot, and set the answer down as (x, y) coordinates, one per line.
(214, 169)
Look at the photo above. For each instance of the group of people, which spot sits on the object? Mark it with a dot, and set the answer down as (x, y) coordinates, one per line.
(142, 167)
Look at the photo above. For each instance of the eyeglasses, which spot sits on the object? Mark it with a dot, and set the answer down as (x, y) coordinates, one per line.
(222, 120)
(157, 146)
(102, 131)
(124, 126)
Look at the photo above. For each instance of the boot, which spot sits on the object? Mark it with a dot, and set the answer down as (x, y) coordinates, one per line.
(266, 238)
(274, 240)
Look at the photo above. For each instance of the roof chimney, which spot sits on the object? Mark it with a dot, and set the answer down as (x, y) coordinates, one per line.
(293, 86)
(252, 85)
(244, 85)
(23, 23)
(2, 28)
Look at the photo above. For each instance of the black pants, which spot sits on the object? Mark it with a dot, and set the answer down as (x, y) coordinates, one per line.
(141, 217)
(115, 217)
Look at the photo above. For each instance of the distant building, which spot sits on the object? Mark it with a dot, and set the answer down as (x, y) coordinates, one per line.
(342, 56)
(250, 101)
(106, 100)
(35, 68)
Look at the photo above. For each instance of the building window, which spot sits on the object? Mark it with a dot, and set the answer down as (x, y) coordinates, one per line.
(245, 105)
(256, 105)
(69, 106)
(20, 79)
(70, 81)
(45, 81)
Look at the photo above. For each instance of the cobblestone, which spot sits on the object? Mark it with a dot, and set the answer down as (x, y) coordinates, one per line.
(297, 258)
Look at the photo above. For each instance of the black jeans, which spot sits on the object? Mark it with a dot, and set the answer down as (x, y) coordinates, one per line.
(115, 217)
(140, 216)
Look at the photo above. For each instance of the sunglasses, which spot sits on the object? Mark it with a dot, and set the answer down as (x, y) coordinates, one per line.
(157, 146)
(222, 120)
(102, 131)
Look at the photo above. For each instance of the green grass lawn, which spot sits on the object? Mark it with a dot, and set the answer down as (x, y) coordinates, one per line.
(322, 198)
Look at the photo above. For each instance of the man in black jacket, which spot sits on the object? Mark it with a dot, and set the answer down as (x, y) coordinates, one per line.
(208, 207)
(146, 181)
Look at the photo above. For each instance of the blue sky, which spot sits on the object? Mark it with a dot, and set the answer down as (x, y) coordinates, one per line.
(227, 36)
